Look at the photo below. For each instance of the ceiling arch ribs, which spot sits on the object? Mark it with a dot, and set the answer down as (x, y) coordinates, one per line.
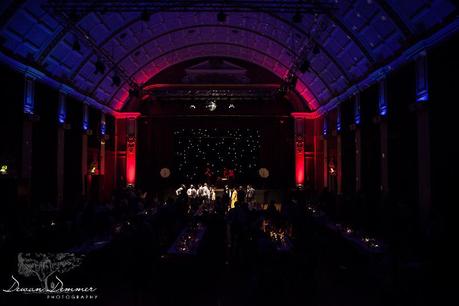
(238, 51)
(187, 29)
(106, 42)
(325, 51)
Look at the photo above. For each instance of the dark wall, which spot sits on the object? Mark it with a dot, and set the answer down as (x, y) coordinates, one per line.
(44, 146)
(12, 88)
(444, 109)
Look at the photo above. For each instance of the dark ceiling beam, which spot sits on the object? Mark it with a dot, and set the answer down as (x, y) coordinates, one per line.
(210, 44)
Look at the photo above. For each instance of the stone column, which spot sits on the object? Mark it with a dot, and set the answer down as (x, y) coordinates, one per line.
(61, 114)
(299, 126)
(131, 150)
(383, 130)
(325, 149)
(115, 159)
(423, 137)
(102, 144)
(84, 148)
(29, 116)
(358, 144)
(339, 155)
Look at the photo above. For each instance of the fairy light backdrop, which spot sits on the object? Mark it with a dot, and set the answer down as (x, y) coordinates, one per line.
(237, 149)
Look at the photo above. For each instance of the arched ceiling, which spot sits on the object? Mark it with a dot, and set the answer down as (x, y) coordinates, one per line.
(360, 36)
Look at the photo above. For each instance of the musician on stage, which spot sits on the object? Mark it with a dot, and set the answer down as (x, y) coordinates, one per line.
(250, 196)
(205, 194)
(208, 174)
(234, 197)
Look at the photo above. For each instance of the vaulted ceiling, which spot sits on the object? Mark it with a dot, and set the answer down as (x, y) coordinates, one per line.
(359, 36)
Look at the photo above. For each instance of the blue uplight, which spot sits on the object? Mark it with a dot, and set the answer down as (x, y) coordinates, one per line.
(338, 120)
(422, 96)
(325, 127)
(382, 103)
(357, 109)
(103, 128)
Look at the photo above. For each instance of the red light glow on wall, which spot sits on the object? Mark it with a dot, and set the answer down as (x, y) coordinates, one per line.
(130, 161)
(299, 168)
(299, 160)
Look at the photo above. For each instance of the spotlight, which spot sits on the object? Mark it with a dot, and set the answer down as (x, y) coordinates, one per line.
(305, 66)
(145, 16)
(316, 49)
(221, 16)
(116, 80)
(100, 67)
(76, 45)
(297, 18)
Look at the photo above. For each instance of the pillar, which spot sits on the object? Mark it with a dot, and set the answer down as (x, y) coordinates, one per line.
(423, 140)
(131, 150)
(383, 134)
(299, 126)
(358, 144)
(115, 159)
(61, 117)
(339, 154)
(29, 115)
(102, 144)
(325, 150)
(84, 147)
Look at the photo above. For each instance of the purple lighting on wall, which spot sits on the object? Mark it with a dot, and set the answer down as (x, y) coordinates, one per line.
(422, 85)
(325, 127)
(338, 119)
(357, 109)
(382, 103)
(62, 112)
(29, 90)
(85, 119)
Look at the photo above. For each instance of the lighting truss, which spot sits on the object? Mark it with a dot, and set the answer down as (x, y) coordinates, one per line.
(270, 6)
(215, 94)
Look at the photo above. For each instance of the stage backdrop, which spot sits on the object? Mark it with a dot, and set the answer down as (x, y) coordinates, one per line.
(186, 144)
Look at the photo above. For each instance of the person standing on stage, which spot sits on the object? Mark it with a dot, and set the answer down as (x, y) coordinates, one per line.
(200, 192)
(213, 195)
(180, 191)
(208, 174)
(226, 197)
(241, 194)
(191, 192)
(234, 197)
(250, 196)
(205, 193)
